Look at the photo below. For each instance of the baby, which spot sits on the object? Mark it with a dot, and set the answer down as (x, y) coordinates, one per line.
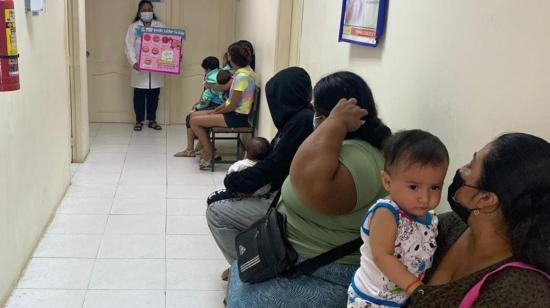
(399, 232)
(257, 149)
(223, 77)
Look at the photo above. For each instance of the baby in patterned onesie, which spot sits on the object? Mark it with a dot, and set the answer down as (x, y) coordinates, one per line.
(399, 232)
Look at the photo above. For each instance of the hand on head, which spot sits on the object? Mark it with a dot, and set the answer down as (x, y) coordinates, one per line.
(349, 113)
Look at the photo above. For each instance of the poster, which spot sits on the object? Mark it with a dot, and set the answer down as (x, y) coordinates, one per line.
(161, 50)
(362, 21)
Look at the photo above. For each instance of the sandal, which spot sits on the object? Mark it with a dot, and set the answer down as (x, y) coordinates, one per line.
(205, 164)
(185, 153)
(154, 125)
(198, 147)
(138, 127)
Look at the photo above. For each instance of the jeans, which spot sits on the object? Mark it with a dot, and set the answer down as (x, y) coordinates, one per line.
(152, 96)
(326, 287)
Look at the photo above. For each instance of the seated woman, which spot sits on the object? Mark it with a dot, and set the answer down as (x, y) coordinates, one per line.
(334, 178)
(234, 113)
(501, 204)
(288, 96)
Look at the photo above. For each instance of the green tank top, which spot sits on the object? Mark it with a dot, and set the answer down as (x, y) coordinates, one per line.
(312, 233)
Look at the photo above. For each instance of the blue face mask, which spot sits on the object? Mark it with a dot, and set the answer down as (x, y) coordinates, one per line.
(146, 16)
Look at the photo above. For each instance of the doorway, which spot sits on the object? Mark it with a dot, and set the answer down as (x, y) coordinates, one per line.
(210, 28)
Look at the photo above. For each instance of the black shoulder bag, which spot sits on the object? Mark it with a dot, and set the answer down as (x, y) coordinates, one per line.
(263, 250)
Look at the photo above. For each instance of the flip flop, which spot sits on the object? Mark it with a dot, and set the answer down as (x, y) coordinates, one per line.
(185, 153)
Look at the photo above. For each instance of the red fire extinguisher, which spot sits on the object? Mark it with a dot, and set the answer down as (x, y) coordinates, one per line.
(9, 65)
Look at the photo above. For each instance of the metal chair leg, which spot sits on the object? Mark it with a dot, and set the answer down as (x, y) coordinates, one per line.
(238, 155)
(213, 158)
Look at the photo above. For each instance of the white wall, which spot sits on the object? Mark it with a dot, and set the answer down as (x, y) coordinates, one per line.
(34, 139)
(257, 22)
(465, 70)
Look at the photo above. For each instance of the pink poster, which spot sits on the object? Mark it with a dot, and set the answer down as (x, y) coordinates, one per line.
(161, 50)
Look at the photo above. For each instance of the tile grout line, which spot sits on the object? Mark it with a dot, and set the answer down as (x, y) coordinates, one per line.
(107, 222)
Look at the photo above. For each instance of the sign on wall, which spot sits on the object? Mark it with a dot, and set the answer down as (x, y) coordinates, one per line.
(362, 21)
(161, 50)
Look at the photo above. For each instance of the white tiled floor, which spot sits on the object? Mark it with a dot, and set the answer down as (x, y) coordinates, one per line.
(131, 230)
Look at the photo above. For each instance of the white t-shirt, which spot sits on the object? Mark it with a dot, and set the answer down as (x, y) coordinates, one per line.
(244, 164)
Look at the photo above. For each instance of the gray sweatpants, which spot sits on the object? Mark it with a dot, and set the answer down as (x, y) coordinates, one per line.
(226, 218)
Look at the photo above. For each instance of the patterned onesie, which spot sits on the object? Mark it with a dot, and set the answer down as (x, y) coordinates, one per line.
(414, 246)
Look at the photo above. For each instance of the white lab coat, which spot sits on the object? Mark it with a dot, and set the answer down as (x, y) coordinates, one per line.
(142, 80)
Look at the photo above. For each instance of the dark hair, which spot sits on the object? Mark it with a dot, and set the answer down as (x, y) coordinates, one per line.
(247, 44)
(142, 2)
(210, 63)
(240, 55)
(257, 148)
(413, 147)
(330, 89)
(517, 170)
(225, 61)
(223, 76)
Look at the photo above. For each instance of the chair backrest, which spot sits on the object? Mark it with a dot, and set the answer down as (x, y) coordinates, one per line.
(254, 112)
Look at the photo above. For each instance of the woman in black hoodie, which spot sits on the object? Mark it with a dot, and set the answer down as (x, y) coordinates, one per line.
(288, 97)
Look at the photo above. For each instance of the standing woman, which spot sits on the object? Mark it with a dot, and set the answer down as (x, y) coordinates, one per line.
(146, 84)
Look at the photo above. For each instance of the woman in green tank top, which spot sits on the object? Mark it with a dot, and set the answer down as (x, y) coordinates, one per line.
(334, 178)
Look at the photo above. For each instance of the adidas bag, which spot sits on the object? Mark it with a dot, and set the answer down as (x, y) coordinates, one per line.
(263, 250)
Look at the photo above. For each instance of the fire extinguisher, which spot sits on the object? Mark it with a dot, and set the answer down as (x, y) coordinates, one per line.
(9, 65)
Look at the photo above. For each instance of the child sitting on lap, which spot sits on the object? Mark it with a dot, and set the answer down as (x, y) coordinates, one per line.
(257, 149)
(399, 232)
(211, 98)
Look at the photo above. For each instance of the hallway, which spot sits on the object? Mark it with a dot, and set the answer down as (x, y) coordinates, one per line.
(131, 230)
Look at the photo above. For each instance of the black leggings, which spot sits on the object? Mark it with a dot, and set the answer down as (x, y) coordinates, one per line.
(152, 96)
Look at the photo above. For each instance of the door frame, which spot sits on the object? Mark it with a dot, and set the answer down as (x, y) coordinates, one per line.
(289, 31)
(78, 81)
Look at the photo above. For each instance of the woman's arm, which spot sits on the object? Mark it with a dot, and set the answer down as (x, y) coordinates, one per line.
(129, 49)
(233, 102)
(317, 176)
(221, 87)
(382, 234)
(274, 168)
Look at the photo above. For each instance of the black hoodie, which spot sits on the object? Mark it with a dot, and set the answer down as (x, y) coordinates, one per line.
(288, 96)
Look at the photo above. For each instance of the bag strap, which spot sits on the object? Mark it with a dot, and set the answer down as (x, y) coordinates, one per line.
(309, 266)
(473, 294)
(275, 200)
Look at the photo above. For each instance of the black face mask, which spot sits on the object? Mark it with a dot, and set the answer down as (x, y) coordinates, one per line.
(458, 208)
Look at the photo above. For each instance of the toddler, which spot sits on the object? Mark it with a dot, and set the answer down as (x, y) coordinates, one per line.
(211, 98)
(399, 232)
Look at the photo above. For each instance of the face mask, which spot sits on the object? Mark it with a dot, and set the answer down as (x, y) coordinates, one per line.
(458, 208)
(146, 16)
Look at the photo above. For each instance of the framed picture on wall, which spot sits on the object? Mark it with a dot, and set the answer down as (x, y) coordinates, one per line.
(362, 21)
